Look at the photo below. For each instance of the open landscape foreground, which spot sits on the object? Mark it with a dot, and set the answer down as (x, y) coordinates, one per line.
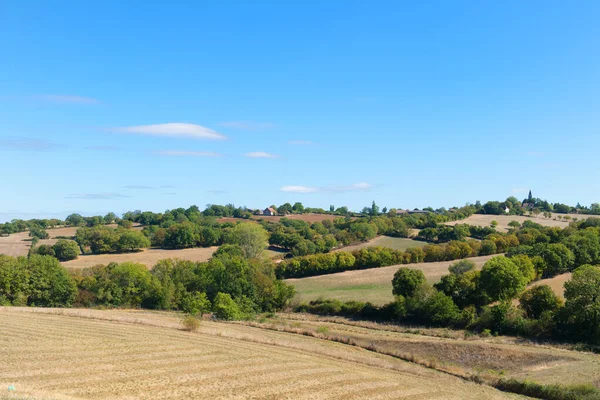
(94, 354)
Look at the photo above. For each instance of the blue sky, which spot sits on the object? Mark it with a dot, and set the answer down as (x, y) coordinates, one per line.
(112, 106)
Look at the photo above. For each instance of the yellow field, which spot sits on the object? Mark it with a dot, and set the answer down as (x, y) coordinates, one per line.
(143, 355)
(148, 257)
(503, 220)
(374, 284)
(395, 243)
(557, 283)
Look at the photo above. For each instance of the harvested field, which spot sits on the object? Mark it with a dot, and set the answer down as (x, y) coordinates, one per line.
(148, 257)
(489, 357)
(374, 284)
(503, 220)
(310, 218)
(386, 241)
(91, 354)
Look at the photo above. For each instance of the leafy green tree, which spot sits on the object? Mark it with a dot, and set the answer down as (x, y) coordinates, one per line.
(558, 258)
(438, 309)
(462, 288)
(374, 209)
(526, 266)
(501, 279)
(110, 218)
(225, 308)
(298, 208)
(46, 250)
(130, 240)
(74, 220)
(65, 250)
(582, 306)
(539, 299)
(50, 285)
(252, 238)
(406, 281)
(14, 281)
(180, 236)
(195, 303)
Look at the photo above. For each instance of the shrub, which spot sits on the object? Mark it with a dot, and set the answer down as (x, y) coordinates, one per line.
(549, 392)
(190, 323)
(501, 279)
(461, 267)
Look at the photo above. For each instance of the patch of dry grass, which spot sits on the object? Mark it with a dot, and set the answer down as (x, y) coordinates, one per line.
(503, 220)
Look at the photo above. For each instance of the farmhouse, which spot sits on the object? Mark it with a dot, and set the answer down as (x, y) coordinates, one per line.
(269, 211)
(401, 212)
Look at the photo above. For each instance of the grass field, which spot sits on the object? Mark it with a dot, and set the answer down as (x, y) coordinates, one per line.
(148, 257)
(386, 241)
(374, 284)
(92, 354)
(503, 220)
(557, 283)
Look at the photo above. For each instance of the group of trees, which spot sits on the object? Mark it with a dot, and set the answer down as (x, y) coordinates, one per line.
(63, 250)
(103, 239)
(230, 284)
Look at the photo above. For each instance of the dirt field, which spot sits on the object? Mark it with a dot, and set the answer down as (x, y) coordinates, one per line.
(386, 241)
(503, 220)
(374, 284)
(148, 257)
(92, 354)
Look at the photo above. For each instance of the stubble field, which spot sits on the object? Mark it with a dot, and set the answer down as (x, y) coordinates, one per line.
(503, 220)
(92, 354)
(374, 284)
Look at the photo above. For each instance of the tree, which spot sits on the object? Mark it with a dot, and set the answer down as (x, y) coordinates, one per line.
(195, 303)
(559, 259)
(225, 307)
(539, 299)
(406, 281)
(374, 209)
(501, 279)
(514, 224)
(132, 240)
(110, 218)
(582, 306)
(285, 209)
(50, 285)
(526, 266)
(65, 250)
(74, 220)
(494, 224)
(298, 208)
(38, 232)
(252, 238)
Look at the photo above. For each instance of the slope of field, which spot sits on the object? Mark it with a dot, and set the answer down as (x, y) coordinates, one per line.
(148, 257)
(386, 241)
(310, 218)
(374, 284)
(557, 283)
(452, 351)
(62, 356)
(503, 220)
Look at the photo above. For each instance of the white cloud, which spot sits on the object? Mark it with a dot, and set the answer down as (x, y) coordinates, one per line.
(261, 154)
(300, 142)
(362, 186)
(299, 189)
(59, 98)
(173, 129)
(247, 125)
(185, 153)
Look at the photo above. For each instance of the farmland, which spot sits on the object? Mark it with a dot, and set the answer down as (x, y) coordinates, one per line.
(148, 257)
(503, 220)
(374, 285)
(92, 354)
(395, 243)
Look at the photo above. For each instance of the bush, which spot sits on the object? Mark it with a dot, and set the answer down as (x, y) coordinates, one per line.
(461, 267)
(190, 323)
(549, 392)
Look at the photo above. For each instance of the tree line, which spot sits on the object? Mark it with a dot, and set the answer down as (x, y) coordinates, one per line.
(229, 284)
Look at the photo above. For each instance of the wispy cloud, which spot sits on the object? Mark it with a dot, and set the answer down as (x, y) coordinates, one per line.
(261, 154)
(102, 148)
(362, 186)
(143, 187)
(300, 142)
(247, 125)
(169, 194)
(27, 144)
(186, 153)
(61, 98)
(167, 186)
(96, 196)
(173, 129)
(216, 191)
